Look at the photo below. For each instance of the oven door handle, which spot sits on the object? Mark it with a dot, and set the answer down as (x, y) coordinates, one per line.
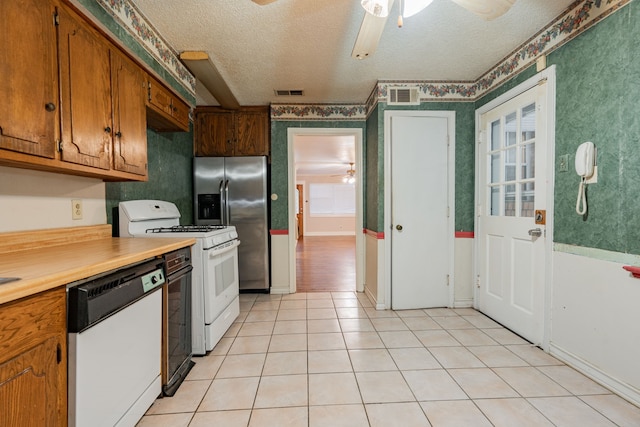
(214, 252)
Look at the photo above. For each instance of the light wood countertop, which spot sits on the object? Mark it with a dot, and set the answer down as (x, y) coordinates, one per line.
(50, 266)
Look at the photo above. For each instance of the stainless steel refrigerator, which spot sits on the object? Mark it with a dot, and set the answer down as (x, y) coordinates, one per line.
(233, 190)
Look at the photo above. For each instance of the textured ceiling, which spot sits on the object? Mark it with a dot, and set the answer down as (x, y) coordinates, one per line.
(307, 44)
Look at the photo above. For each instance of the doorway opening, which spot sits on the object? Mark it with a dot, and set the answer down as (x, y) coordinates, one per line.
(325, 210)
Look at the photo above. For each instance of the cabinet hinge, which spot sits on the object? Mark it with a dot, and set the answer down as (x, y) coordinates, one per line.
(58, 354)
(448, 279)
(448, 211)
(478, 281)
(59, 145)
(56, 19)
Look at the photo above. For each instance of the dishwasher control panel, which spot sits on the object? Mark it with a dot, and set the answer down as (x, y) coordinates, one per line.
(152, 280)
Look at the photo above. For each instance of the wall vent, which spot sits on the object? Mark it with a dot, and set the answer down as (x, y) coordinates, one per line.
(404, 96)
(289, 92)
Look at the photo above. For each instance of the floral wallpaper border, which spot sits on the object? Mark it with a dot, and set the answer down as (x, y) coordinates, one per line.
(577, 18)
(132, 20)
(318, 112)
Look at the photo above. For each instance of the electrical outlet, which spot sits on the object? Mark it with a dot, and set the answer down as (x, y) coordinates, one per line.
(564, 163)
(76, 209)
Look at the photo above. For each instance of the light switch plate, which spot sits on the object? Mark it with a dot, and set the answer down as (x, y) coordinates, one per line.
(563, 166)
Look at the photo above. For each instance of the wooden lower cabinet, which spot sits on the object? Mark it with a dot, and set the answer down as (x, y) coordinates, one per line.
(33, 360)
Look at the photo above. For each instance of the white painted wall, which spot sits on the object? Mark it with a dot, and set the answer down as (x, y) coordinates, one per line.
(323, 225)
(463, 273)
(596, 320)
(32, 200)
(280, 264)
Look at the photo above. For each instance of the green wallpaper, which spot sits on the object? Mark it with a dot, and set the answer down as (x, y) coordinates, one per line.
(598, 88)
(373, 189)
(597, 92)
(170, 175)
(280, 162)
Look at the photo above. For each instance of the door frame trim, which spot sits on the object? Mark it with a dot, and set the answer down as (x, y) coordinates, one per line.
(550, 75)
(291, 197)
(451, 162)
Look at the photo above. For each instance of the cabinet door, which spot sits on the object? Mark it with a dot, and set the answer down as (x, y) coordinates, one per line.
(85, 86)
(214, 134)
(252, 133)
(180, 113)
(29, 83)
(129, 112)
(33, 361)
(159, 97)
(28, 394)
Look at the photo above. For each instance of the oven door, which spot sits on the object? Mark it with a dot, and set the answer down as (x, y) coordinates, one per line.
(221, 284)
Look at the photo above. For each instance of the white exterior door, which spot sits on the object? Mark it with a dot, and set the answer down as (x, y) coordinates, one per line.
(419, 227)
(512, 187)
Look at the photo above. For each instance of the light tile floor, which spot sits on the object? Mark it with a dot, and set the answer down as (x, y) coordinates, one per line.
(331, 360)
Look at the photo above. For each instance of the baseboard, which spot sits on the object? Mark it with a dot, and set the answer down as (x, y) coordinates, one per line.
(369, 295)
(463, 303)
(279, 291)
(329, 233)
(624, 390)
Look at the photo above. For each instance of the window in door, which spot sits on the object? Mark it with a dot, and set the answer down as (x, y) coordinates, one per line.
(511, 160)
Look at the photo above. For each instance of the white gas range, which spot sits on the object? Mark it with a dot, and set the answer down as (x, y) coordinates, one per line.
(215, 285)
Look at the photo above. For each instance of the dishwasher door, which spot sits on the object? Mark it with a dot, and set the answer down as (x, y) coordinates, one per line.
(114, 366)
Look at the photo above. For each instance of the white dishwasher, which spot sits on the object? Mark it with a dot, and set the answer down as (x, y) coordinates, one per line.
(114, 333)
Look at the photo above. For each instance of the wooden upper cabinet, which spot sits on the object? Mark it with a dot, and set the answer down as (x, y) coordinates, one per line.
(129, 85)
(85, 93)
(252, 133)
(33, 360)
(243, 132)
(166, 112)
(214, 134)
(29, 111)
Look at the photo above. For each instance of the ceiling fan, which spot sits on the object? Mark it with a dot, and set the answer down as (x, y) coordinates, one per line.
(487, 9)
(350, 175)
(378, 11)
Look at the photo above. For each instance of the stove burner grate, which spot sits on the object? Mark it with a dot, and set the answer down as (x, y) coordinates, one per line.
(186, 228)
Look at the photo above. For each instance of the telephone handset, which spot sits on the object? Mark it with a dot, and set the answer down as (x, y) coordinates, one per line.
(585, 156)
(585, 163)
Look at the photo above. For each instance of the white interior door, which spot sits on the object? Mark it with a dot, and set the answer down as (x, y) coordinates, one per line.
(511, 189)
(420, 230)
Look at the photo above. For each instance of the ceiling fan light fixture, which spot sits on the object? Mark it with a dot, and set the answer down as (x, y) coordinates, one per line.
(377, 8)
(411, 7)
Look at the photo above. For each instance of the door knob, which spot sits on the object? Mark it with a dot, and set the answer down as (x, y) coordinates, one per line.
(535, 232)
(399, 227)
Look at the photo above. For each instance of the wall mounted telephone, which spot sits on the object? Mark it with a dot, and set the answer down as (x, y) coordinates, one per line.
(585, 159)
(585, 166)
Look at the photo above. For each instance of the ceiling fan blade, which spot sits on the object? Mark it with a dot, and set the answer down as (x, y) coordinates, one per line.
(486, 9)
(263, 2)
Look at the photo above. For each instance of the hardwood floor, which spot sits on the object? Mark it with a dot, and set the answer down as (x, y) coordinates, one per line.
(326, 263)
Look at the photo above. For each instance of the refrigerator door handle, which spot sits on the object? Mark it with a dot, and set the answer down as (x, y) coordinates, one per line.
(223, 201)
(227, 219)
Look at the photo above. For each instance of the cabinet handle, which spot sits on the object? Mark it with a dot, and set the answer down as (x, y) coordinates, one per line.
(50, 106)
(118, 134)
(107, 129)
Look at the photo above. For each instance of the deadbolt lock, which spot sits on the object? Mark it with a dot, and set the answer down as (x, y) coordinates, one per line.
(540, 216)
